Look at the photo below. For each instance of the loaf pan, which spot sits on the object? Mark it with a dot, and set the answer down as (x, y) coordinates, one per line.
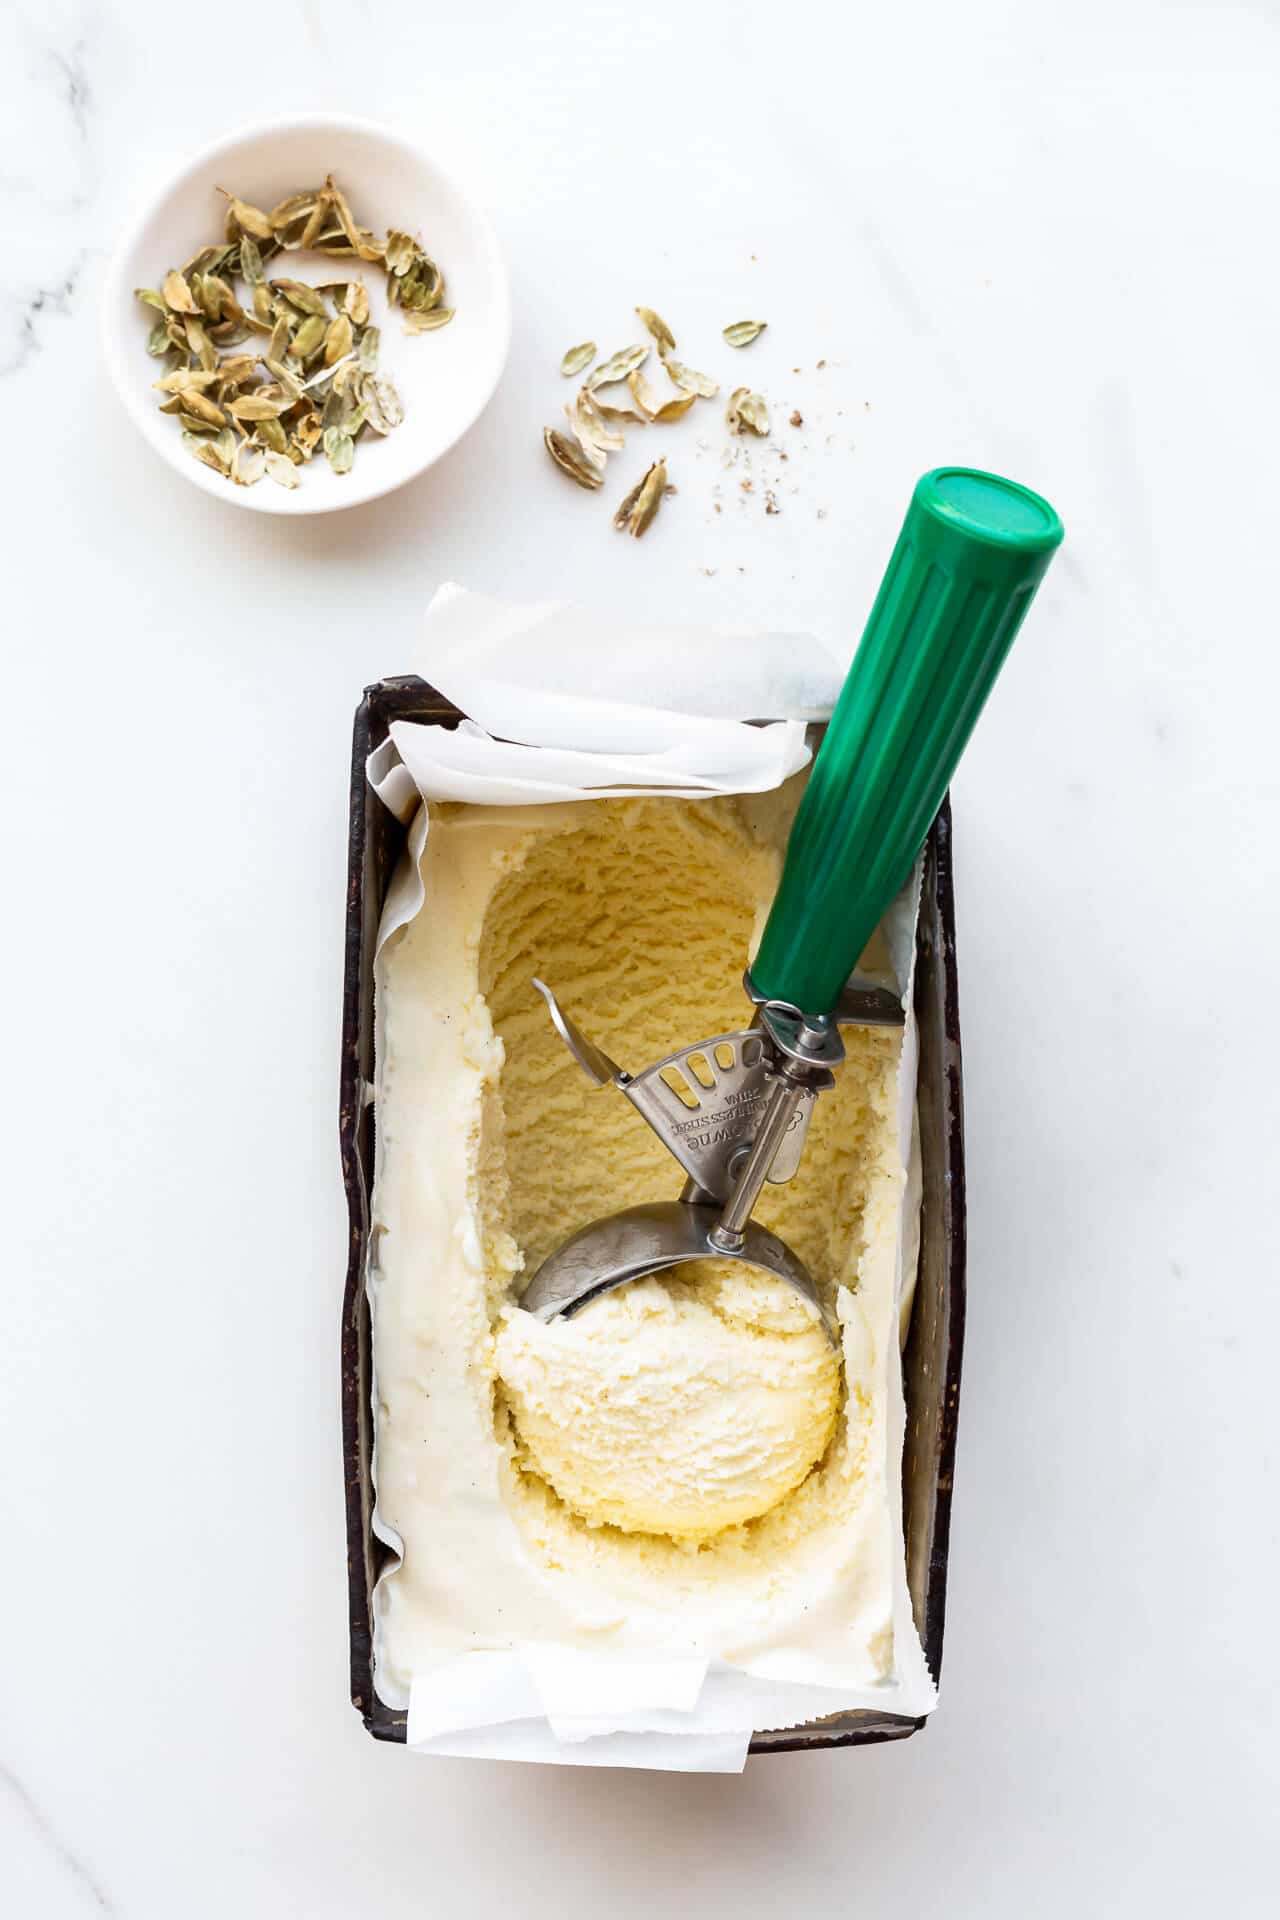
(931, 1362)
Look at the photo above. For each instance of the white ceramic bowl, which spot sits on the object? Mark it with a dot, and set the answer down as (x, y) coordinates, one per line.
(444, 377)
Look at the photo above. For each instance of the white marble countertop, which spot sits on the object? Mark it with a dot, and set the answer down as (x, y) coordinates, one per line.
(1027, 236)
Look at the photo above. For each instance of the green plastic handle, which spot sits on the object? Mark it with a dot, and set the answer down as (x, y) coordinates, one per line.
(972, 551)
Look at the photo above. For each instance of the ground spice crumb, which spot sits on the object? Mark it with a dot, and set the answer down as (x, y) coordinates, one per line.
(748, 486)
(717, 506)
(783, 454)
(822, 363)
(771, 503)
(668, 490)
(795, 369)
(797, 418)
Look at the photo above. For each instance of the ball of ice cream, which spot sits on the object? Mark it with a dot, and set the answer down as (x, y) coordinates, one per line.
(678, 1404)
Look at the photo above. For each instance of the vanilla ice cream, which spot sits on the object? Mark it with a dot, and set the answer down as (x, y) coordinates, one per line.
(687, 1463)
(679, 1404)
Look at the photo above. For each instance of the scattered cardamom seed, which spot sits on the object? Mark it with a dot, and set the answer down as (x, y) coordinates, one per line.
(747, 409)
(640, 506)
(573, 362)
(571, 459)
(693, 382)
(658, 327)
(617, 367)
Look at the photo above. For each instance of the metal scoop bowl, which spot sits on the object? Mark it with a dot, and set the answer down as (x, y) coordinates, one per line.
(651, 1239)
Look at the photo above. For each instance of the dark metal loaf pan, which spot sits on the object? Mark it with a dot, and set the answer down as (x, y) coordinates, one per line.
(932, 1360)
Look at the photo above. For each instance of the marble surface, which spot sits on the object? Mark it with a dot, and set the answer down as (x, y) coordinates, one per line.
(1030, 236)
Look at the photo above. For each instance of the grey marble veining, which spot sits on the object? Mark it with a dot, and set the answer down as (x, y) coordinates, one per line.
(83, 1888)
(74, 69)
(26, 313)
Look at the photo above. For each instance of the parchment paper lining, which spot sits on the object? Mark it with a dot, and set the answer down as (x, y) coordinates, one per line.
(533, 737)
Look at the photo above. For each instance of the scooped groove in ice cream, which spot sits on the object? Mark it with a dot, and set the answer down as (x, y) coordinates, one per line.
(679, 1404)
(687, 1464)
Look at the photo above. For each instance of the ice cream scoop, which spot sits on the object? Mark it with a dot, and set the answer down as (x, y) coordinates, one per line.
(733, 1110)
